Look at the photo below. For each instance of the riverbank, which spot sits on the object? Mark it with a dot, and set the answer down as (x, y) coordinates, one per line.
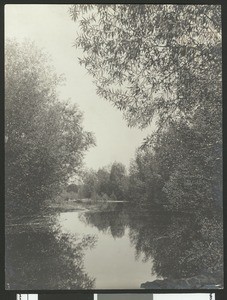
(42, 219)
(79, 205)
(204, 281)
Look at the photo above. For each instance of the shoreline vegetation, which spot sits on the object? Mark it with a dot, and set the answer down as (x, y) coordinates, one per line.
(166, 67)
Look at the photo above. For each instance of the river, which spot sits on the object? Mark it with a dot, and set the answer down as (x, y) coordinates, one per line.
(111, 261)
(115, 246)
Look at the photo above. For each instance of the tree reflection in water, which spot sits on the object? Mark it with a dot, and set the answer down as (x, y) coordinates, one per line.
(45, 258)
(180, 245)
(110, 220)
(179, 248)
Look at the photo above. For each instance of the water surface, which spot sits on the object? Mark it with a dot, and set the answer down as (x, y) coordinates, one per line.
(110, 246)
(112, 260)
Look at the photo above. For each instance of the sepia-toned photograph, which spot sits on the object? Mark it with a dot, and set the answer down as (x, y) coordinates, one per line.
(113, 147)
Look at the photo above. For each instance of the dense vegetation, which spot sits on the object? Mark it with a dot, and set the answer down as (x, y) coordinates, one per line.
(106, 183)
(162, 62)
(157, 63)
(44, 138)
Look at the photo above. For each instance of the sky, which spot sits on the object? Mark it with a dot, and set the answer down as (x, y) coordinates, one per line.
(52, 29)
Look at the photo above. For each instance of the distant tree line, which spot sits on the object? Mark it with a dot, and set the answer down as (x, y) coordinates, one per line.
(108, 183)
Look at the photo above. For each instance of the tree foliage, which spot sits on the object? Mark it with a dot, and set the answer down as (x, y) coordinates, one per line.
(106, 183)
(147, 59)
(103, 176)
(45, 140)
(118, 180)
(181, 171)
(90, 183)
(162, 63)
